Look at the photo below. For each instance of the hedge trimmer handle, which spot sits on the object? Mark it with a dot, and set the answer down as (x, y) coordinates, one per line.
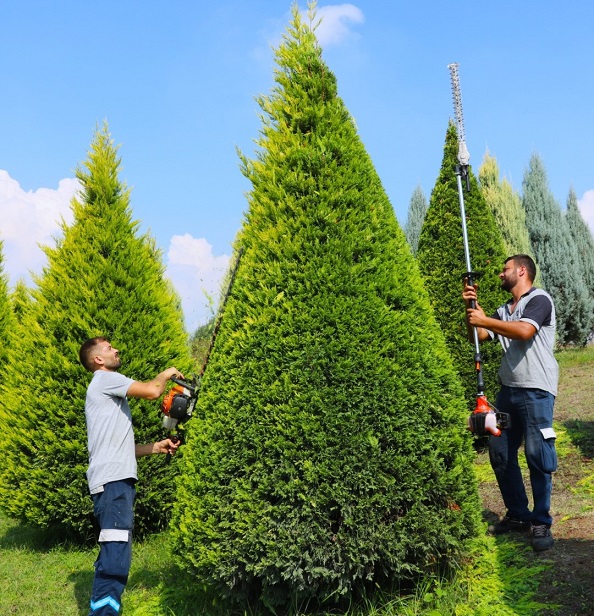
(174, 438)
(188, 385)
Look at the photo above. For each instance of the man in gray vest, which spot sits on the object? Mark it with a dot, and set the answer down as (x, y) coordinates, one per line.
(525, 328)
(112, 464)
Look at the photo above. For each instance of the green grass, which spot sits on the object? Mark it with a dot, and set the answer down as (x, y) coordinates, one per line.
(40, 576)
(572, 357)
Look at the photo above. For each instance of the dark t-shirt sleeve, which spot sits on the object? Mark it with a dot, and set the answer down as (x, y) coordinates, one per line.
(538, 310)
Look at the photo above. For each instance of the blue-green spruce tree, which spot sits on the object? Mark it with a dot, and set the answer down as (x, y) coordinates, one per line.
(584, 243)
(417, 209)
(557, 257)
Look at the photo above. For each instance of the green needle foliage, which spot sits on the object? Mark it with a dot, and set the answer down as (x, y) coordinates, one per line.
(506, 205)
(332, 454)
(584, 243)
(5, 314)
(557, 256)
(102, 278)
(442, 262)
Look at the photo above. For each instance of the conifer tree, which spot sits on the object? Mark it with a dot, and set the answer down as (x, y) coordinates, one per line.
(332, 452)
(442, 261)
(5, 313)
(506, 205)
(102, 278)
(584, 243)
(417, 209)
(556, 256)
(20, 300)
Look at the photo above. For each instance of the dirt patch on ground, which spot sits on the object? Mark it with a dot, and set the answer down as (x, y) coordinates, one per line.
(567, 586)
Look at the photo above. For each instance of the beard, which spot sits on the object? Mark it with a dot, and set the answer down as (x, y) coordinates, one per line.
(507, 284)
(114, 364)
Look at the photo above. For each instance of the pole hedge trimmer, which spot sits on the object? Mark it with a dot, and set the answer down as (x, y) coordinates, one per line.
(179, 402)
(485, 419)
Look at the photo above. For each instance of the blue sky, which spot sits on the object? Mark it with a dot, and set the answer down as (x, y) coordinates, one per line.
(176, 81)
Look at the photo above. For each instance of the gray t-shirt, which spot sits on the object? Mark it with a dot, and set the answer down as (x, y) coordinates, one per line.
(109, 430)
(530, 363)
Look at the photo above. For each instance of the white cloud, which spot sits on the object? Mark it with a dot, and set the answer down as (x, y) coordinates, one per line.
(586, 205)
(197, 275)
(30, 218)
(336, 23)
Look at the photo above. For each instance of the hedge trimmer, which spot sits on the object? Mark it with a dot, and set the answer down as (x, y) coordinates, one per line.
(485, 419)
(179, 402)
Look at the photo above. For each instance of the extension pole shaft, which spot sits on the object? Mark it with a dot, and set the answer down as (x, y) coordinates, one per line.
(480, 385)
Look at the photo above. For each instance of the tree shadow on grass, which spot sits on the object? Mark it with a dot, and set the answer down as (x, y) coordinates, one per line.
(19, 535)
(180, 593)
(82, 582)
(581, 434)
(568, 584)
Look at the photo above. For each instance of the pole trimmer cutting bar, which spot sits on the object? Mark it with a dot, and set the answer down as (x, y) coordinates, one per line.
(485, 419)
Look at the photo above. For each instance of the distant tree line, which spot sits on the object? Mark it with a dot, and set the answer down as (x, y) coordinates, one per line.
(533, 223)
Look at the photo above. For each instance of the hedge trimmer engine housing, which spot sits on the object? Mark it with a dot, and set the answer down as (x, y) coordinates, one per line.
(178, 405)
(486, 419)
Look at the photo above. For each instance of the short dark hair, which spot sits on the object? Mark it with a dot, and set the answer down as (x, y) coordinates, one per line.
(86, 351)
(527, 261)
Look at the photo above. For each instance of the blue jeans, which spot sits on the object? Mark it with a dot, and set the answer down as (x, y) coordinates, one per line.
(531, 413)
(113, 509)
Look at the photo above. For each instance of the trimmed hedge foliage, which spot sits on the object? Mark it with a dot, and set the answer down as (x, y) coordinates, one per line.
(101, 279)
(330, 453)
(442, 262)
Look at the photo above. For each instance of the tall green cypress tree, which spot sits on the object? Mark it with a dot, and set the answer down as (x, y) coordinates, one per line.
(20, 300)
(442, 262)
(332, 452)
(556, 256)
(506, 205)
(5, 313)
(417, 209)
(584, 243)
(102, 278)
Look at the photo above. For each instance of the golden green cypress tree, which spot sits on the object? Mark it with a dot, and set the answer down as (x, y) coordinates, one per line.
(332, 454)
(506, 205)
(102, 278)
(5, 314)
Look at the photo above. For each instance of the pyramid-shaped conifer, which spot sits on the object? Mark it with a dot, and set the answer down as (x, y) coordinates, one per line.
(330, 451)
(442, 261)
(102, 278)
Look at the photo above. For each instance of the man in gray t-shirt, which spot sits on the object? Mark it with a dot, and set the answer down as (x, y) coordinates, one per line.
(112, 464)
(525, 328)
